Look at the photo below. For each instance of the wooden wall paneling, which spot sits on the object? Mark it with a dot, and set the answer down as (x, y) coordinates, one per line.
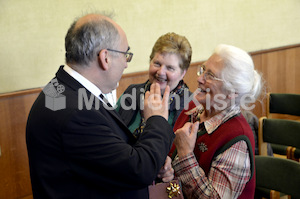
(14, 167)
(282, 70)
(292, 67)
(261, 102)
(132, 78)
(190, 77)
(297, 70)
(290, 70)
(274, 71)
(6, 182)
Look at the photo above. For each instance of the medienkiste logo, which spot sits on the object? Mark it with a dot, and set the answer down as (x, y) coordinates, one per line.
(54, 99)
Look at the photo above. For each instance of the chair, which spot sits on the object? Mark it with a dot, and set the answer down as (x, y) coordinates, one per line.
(277, 174)
(287, 104)
(279, 132)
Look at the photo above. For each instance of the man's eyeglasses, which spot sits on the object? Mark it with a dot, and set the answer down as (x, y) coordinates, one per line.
(127, 54)
(207, 75)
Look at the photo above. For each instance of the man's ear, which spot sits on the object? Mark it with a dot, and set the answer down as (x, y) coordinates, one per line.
(103, 59)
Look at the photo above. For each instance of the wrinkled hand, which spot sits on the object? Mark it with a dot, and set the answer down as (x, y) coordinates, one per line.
(154, 105)
(166, 173)
(186, 138)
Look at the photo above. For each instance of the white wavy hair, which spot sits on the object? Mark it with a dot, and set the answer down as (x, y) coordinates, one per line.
(239, 73)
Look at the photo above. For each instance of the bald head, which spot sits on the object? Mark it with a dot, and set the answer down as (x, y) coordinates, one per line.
(88, 35)
(92, 18)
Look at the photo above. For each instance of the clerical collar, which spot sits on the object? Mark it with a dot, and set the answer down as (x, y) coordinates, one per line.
(84, 81)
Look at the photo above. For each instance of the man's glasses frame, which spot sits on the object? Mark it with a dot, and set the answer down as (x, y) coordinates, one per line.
(207, 75)
(127, 54)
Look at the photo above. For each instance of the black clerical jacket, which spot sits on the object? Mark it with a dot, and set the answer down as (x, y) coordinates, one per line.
(87, 151)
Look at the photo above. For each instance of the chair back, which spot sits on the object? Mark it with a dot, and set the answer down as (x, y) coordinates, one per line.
(278, 174)
(278, 131)
(283, 103)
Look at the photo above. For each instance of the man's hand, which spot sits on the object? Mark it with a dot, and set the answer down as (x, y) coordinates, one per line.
(186, 138)
(166, 173)
(154, 105)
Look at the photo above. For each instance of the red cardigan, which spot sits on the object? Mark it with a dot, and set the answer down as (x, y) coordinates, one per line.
(226, 135)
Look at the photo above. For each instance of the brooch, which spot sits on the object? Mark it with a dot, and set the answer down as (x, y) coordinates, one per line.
(173, 190)
(202, 147)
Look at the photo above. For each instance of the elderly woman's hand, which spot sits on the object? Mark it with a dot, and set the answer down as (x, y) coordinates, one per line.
(186, 138)
(166, 173)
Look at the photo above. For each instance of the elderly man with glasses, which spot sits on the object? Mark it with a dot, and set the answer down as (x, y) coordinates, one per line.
(78, 147)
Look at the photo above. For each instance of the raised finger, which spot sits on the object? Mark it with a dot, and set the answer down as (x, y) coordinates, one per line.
(147, 94)
(166, 95)
(194, 129)
(157, 93)
(152, 89)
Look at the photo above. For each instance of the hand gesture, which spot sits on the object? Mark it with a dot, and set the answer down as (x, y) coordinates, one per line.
(154, 105)
(186, 138)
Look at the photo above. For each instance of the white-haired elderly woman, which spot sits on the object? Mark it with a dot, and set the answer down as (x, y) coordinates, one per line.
(214, 155)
